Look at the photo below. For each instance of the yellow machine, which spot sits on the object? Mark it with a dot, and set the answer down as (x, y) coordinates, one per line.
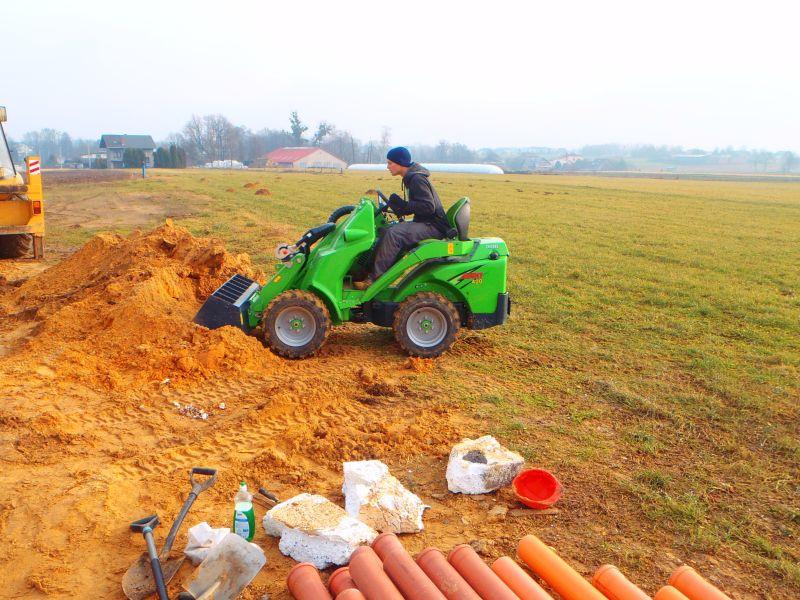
(21, 205)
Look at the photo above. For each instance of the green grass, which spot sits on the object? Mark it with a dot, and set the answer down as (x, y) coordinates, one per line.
(653, 350)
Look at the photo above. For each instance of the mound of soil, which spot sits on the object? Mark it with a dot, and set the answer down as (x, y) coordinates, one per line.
(119, 311)
(263, 192)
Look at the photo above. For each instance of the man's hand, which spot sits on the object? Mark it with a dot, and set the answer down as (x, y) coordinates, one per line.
(397, 204)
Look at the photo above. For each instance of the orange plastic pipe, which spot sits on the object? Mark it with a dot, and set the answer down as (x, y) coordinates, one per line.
(669, 593)
(409, 578)
(518, 580)
(385, 543)
(557, 573)
(444, 576)
(304, 583)
(615, 586)
(478, 574)
(351, 594)
(366, 569)
(693, 586)
(340, 580)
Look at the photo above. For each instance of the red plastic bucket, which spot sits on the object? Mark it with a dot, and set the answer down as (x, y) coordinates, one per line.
(537, 488)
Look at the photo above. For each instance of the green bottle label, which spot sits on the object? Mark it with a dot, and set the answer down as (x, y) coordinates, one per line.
(244, 521)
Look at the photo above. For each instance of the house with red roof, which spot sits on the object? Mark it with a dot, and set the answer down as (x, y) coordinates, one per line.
(302, 158)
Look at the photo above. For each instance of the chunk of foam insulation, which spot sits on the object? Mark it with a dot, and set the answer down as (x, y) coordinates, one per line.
(379, 499)
(314, 529)
(480, 466)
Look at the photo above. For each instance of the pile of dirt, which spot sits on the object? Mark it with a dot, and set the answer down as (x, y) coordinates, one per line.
(263, 192)
(119, 311)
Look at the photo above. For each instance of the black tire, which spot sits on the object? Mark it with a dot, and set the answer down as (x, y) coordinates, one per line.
(15, 246)
(443, 320)
(313, 324)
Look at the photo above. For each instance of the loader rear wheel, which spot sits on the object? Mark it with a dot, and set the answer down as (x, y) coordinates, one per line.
(426, 324)
(14, 246)
(296, 324)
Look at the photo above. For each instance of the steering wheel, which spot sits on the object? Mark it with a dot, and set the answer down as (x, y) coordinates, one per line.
(385, 208)
(384, 203)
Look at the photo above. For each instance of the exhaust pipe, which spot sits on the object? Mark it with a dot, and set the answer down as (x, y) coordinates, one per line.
(615, 586)
(692, 585)
(555, 571)
(444, 576)
(518, 580)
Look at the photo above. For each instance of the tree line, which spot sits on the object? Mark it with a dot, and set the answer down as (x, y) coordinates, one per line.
(208, 138)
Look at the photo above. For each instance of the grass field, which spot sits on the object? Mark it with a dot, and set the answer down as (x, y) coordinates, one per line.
(652, 359)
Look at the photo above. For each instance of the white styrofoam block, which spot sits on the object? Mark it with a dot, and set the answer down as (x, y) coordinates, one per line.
(314, 529)
(379, 499)
(480, 466)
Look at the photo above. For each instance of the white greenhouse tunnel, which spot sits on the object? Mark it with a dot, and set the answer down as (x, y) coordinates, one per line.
(437, 168)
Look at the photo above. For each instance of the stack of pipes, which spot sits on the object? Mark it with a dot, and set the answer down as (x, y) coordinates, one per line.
(386, 571)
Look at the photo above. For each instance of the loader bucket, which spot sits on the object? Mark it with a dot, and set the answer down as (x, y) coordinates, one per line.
(228, 305)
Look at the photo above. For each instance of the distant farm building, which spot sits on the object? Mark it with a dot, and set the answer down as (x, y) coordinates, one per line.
(301, 159)
(113, 146)
(565, 161)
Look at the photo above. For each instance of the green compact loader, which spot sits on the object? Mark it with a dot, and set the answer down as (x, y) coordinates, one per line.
(431, 291)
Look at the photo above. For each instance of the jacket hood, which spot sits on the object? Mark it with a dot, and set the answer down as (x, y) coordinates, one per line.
(416, 169)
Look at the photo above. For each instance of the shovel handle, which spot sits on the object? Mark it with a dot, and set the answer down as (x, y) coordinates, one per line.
(197, 489)
(140, 525)
(269, 495)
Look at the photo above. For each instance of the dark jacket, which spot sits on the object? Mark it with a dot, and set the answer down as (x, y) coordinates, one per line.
(420, 199)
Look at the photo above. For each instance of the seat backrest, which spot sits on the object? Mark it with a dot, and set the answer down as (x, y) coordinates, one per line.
(458, 218)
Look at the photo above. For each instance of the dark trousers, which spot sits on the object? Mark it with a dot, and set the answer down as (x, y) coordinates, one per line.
(398, 238)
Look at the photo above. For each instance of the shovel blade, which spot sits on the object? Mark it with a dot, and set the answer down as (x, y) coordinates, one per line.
(230, 566)
(138, 582)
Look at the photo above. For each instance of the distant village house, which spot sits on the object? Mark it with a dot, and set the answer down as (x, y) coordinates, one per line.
(113, 146)
(301, 159)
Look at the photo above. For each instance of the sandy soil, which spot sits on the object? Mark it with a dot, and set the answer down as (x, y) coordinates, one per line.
(96, 351)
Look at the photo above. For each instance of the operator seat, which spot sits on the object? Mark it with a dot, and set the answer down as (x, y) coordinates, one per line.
(458, 219)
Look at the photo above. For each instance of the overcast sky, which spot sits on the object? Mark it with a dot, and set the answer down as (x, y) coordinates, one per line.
(700, 73)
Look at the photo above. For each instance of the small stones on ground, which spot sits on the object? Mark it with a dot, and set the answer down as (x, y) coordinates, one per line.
(191, 411)
(497, 513)
(530, 512)
(222, 406)
(165, 381)
(481, 546)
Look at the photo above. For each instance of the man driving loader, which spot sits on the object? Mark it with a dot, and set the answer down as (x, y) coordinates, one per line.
(421, 200)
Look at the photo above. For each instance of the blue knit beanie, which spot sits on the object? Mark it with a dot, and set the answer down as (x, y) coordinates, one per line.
(400, 155)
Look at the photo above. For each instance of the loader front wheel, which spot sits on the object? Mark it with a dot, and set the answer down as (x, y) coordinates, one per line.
(15, 246)
(426, 324)
(296, 324)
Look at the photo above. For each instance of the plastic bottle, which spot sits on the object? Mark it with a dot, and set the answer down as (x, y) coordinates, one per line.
(244, 518)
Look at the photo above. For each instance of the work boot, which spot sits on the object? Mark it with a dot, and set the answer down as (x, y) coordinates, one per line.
(362, 285)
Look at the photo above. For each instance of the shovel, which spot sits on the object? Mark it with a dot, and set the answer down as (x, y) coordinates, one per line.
(138, 582)
(229, 567)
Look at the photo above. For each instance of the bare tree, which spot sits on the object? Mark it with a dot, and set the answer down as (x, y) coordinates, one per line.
(298, 129)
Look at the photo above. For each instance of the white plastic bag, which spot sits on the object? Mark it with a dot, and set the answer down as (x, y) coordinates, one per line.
(201, 539)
